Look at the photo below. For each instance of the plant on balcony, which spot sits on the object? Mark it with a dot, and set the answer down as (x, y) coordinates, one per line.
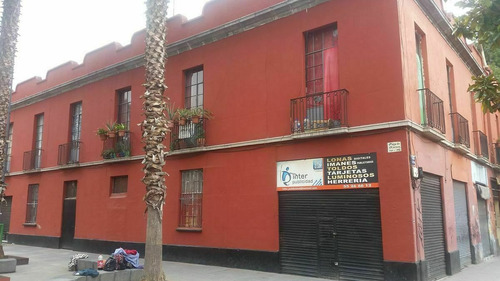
(198, 112)
(108, 153)
(199, 135)
(111, 129)
(183, 114)
(122, 150)
(102, 133)
(171, 114)
(120, 128)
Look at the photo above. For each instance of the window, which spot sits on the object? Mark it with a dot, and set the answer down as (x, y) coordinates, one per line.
(32, 203)
(38, 141)
(76, 128)
(9, 147)
(322, 60)
(421, 83)
(124, 100)
(194, 88)
(119, 185)
(190, 199)
(70, 190)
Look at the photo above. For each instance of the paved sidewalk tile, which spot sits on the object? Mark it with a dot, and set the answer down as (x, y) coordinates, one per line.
(46, 264)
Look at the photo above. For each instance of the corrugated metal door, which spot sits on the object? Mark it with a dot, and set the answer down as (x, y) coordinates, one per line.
(483, 226)
(462, 223)
(432, 216)
(334, 234)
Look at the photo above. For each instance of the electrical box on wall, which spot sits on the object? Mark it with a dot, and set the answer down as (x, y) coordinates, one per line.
(414, 172)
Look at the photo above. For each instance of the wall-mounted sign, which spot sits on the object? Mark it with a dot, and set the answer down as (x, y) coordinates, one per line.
(394, 146)
(300, 174)
(336, 172)
(351, 171)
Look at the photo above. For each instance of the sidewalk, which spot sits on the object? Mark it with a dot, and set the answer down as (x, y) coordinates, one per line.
(488, 270)
(46, 264)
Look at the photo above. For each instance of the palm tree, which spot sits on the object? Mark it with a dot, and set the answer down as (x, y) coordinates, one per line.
(8, 41)
(154, 131)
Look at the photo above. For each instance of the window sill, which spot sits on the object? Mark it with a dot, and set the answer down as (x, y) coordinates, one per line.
(30, 224)
(187, 229)
(118, 195)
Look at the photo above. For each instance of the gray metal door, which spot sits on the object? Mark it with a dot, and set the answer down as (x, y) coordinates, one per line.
(462, 223)
(334, 234)
(483, 226)
(432, 216)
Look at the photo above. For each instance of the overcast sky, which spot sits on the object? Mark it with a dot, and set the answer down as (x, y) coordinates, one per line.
(53, 32)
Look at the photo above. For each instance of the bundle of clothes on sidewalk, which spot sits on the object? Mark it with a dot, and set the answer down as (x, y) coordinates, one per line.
(120, 259)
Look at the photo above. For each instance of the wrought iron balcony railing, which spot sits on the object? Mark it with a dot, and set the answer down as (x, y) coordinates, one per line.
(319, 111)
(460, 129)
(189, 135)
(116, 147)
(481, 146)
(69, 153)
(434, 111)
(32, 159)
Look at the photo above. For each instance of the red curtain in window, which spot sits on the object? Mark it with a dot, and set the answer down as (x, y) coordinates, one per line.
(332, 102)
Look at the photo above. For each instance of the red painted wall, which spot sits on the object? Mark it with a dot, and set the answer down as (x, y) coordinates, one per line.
(249, 80)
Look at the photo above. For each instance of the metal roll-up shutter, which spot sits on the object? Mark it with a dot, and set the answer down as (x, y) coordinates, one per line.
(333, 234)
(483, 226)
(432, 217)
(462, 223)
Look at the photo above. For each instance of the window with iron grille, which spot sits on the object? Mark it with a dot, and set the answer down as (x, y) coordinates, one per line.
(194, 88)
(119, 184)
(32, 203)
(9, 147)
(191, 199)
(124, 100)
(322, 60)
(76, 129)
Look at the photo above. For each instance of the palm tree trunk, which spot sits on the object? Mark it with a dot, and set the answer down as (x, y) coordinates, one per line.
(8, 41)
(154, 131)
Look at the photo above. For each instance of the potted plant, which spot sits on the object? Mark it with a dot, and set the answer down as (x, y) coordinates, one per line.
(108, 153)
(111, 129)
(121, 129)
(183, 114)
(198, 113)
(171, 114)
(102, 133)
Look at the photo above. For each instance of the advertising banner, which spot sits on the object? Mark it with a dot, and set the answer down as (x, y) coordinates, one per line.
(335, 172)
(300, 174)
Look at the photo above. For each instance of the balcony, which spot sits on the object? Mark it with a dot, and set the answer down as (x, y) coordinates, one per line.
(434, 111)
(32, 160)
(460, 132)
(481, 147)
(69, 153)
(116, 147)
(319, 111)
(189, 135)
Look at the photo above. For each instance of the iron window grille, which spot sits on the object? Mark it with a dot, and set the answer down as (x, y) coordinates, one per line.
(191, 199)
(32, 203)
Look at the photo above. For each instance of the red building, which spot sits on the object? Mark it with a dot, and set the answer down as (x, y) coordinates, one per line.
(344, 144)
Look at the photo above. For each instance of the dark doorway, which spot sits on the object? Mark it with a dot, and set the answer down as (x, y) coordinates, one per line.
(5, 215)
(334, 234)
(69, 215)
